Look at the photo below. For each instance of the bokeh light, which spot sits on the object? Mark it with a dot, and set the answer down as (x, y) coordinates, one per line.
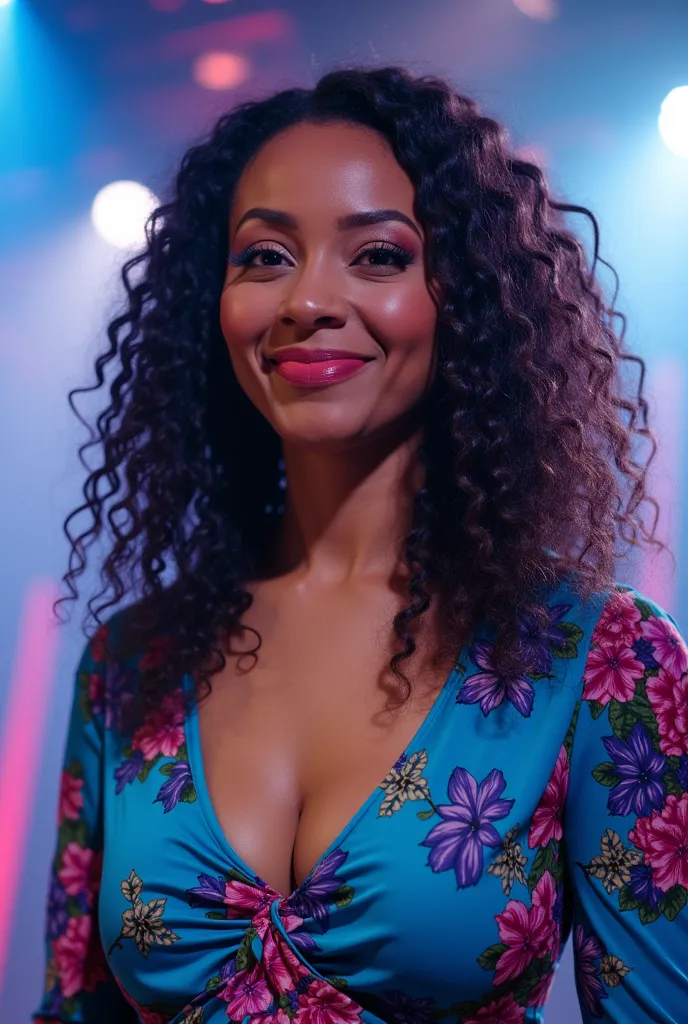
(221, 70)
(216, 1)
(5, 3)
(673, 121)
(120, 211)
(540, 10)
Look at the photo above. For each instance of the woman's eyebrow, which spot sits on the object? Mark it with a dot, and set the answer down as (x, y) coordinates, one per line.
(280, 219)
(362, 220)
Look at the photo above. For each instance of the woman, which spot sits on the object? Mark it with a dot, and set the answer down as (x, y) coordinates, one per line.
(370, 749)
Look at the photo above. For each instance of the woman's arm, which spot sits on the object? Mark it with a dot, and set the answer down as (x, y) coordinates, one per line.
(626, 831)
(79, 984)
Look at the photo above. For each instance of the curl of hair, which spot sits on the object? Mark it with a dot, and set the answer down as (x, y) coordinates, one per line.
(530, 449)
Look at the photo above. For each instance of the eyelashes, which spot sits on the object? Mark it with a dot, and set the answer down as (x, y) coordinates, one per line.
(379, 252)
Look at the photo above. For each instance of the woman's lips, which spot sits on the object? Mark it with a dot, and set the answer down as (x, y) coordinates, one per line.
(316, 374)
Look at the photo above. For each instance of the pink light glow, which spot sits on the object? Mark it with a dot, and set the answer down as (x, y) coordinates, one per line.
(540, 10)
(221, 70)
(21, 741)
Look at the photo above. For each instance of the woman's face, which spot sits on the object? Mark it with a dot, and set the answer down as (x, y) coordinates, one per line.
(326, 310)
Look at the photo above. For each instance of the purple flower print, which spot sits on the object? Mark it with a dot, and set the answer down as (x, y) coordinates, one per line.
(588, 950)
(314, 895)
(644, 652)
(682, 772)
(642, 885)
(640, 770)
(171, 791)
(403, 1009)
(458, 841)
(208, 892)
(128, 770)
(57, 907)
(488, 688)
(537, 641)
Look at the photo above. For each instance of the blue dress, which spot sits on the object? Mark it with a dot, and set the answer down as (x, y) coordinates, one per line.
(523, 811)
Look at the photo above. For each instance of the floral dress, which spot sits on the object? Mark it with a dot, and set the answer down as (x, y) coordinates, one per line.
(524, 810)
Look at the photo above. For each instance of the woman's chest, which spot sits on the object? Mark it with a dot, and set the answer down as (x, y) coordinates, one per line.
(443, 886)
(294, 741)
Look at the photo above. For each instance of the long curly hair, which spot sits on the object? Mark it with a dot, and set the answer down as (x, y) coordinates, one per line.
(531, 439)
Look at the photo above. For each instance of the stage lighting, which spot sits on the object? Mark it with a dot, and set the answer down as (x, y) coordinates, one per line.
(221, 70)
(5, 3)
(120, 211)
(673, 121)
(540, 10)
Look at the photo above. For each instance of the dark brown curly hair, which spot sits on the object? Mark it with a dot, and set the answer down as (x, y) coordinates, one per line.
(530, 445)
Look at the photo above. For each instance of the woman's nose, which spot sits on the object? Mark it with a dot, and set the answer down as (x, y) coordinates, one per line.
(314, 299)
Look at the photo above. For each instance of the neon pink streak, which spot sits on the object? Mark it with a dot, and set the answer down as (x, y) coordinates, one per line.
(668, 391)
(21, 742)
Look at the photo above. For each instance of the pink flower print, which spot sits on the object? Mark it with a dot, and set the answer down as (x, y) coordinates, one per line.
(669, 647)
(71, 953)
(539, 994)
(71, 798)
(99, 644)
(663, 838)
(620, 622)
(501, 1011)
(546, 823)
(246, 994)
(668, 696)
(611, 671)
(96, 693)
(280, 965)
(251, 902)
(324, 1004)
(163, 730)
(80, 871)
(527, 931)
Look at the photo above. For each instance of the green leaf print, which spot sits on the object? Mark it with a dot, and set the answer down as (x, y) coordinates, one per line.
(596, 708)
(166, 768)
(674, 901)
(343, 896)
(647, 915)
(535, 970)
(189, 794)
(424, 815)
(72, 832)
(489, 957)
(605, 773)
(245, 953)
(571, 731)
(573, 635)
(627, 900)
(643, 608)
(544, 860)
(673, 786)
(215, 915)
(623, 716)
(147, 767)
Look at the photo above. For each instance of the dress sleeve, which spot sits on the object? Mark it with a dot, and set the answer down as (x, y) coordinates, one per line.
(626, 825)
(79, 985)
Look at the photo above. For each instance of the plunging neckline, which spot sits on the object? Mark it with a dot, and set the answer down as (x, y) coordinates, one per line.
(197, 769)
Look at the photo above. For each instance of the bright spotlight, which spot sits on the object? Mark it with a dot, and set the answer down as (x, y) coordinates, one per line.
(673, 121)
(5, 3)
(120, 211)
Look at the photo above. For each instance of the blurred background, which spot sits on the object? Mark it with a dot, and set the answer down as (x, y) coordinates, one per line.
(104, 91)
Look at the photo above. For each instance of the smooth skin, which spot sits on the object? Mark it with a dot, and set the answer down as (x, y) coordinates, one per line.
(295, 742)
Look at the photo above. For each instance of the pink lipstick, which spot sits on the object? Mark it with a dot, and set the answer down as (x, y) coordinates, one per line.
(316, 367)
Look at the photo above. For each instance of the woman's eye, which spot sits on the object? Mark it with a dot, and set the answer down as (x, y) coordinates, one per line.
(385, 255)
(259, 256)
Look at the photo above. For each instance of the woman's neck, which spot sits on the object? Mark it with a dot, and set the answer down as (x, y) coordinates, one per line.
(346, 513)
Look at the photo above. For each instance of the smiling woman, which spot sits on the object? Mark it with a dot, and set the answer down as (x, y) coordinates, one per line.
(378, 730)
